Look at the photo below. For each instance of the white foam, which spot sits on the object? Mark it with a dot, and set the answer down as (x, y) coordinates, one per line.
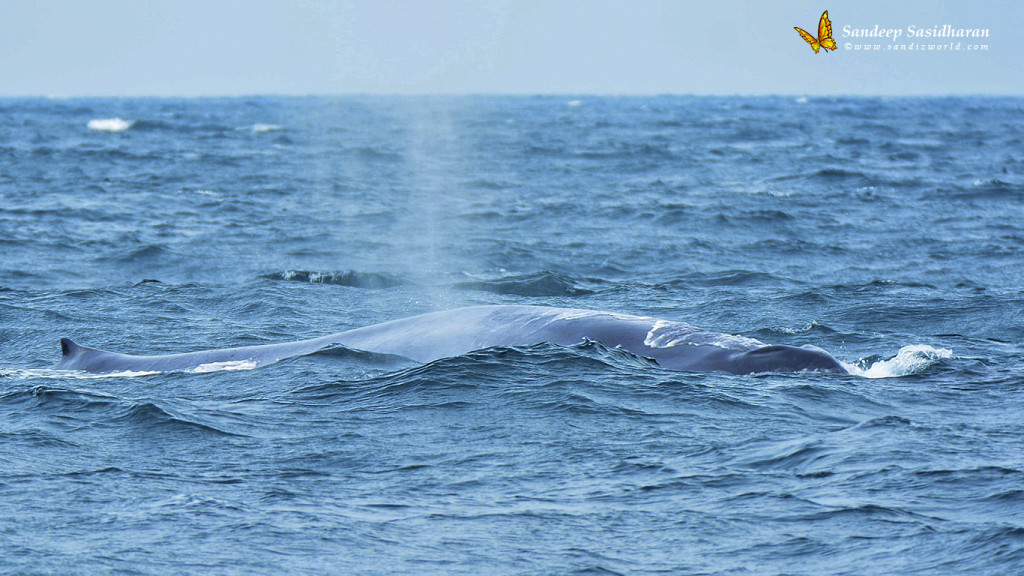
(794, 331)
(109, 124)
(801, 100)
(909, 360)
(51, 373)
(574, 103)
(264, 128)
(221, 366)
(666, 334)
(73, 374)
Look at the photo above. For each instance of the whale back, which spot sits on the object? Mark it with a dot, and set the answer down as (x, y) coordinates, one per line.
(786, 359)
(74, 356)
(436, 335)
(77, 357)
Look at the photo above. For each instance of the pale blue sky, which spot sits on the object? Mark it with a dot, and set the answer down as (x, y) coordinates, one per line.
(235, 47)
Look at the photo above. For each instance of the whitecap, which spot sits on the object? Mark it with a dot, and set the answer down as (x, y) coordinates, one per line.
(264, 128)
(574, 103)
(109, 124)
(795, 331)
(909, 360)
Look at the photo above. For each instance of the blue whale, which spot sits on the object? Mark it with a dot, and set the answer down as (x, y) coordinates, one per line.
(428, 337)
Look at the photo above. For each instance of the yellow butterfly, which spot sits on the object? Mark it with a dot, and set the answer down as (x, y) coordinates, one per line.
(824, 39)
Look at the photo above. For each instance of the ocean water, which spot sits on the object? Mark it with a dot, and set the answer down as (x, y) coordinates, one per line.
(886, 231)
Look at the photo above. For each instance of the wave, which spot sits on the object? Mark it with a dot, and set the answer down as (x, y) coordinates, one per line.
(98, 407)
(264, 128)
(377, 359)
(142, 254)
(726, 278)
(880, 286)
(109, 124)
(991, 189)
(628, 152)
(788, 455)
(350, 278)
(910, 360)
(445, 381)
(811, 328)
(152, 414)
(827, 176)
(371, 154)
(62, 400)
(489, 184)
(538, 284)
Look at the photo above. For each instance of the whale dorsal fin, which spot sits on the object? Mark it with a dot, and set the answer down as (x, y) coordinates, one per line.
(68, 347)
(74, 356)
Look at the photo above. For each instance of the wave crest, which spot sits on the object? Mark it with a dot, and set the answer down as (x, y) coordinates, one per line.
(264, 128)
(349, 278)
(910, 360)
(545, 283)
(109, 124)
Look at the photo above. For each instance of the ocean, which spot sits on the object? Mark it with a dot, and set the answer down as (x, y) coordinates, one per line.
(888, 231)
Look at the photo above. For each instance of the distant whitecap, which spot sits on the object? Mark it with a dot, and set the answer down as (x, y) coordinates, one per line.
(264, 128)
(801, 100)
(574, 103)
(109, 124)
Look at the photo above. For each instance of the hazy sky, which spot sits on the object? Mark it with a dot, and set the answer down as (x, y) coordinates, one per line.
(232, 47)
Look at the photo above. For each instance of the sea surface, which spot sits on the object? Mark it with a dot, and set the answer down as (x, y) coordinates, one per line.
(888, 231)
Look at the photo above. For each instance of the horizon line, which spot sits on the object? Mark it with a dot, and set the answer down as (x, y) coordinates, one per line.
(554, 94)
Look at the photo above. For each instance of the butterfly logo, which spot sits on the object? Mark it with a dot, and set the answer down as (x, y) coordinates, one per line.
(824, 39)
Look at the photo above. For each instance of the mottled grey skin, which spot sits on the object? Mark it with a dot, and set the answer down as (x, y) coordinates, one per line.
(428, 337)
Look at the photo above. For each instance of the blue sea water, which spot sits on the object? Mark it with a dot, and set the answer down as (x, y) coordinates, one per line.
(887, 231)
